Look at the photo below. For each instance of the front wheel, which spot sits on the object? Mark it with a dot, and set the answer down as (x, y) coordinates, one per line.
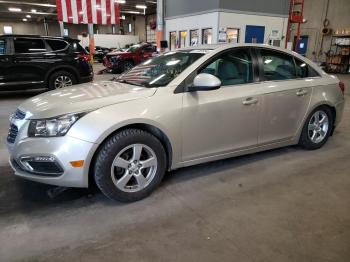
(130, 165)
(317, 128)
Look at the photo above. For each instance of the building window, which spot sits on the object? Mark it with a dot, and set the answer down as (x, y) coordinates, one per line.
(182, 37)
(194, 37)
(173, 40)
(7, 29)
(207, 36)
(232, 35)
(150, 34)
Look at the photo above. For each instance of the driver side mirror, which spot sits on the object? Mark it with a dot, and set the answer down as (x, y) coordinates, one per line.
(205, 82)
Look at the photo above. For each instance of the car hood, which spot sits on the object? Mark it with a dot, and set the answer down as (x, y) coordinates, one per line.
(83, 97)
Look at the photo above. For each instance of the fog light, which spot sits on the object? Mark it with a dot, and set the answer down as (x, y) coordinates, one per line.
(41, 165)
(44, 158)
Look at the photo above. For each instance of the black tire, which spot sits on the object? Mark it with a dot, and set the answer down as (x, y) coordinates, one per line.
(127, 65)
(61, 73)
(111, 148)
(305, 141)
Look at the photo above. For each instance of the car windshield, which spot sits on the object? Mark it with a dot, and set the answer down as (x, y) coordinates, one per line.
(133, 49)
(161, 70)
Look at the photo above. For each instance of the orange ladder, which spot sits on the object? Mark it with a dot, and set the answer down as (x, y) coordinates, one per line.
(296, 16)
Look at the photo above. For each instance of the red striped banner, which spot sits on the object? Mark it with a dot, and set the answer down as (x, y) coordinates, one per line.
(102, 12)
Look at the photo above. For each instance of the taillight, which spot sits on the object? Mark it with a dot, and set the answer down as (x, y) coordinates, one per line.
(342, 87)
(84, 57)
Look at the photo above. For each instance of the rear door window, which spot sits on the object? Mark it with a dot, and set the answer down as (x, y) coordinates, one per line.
(57, 45)
(29, 45)
(304, 70)
(277, 65)
(2, 47)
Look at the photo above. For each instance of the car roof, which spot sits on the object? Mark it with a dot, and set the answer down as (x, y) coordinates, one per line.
(39, 36)
(227, 46)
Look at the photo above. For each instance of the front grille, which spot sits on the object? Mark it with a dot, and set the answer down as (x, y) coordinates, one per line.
(19, 114)
(45, 168)
(13, 131)
(113, 60)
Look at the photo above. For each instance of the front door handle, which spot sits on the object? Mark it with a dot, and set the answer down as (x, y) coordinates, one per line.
(250, 101)
(301, 92)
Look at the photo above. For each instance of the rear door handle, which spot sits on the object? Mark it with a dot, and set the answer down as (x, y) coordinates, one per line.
(250, 101)
(301, 92)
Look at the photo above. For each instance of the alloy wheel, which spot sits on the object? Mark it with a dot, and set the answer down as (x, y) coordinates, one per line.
(134, 168)
(63, 81)
(318, 127)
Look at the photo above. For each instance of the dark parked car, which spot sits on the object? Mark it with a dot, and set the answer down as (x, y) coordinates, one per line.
(100, 52)
(28, 61)
(122, 61)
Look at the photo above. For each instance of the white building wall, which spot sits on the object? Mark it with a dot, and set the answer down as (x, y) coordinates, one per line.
(237, 20)
(215, 20)
(202, 21)
(110, 41)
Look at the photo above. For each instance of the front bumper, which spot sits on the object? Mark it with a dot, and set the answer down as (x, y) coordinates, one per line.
(113, 63)
(64, 150)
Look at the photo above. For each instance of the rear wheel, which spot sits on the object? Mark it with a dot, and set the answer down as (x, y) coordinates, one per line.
(130, 165)
(317, 128)
(61, 79)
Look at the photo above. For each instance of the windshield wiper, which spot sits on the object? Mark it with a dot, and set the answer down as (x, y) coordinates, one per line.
(130, 83)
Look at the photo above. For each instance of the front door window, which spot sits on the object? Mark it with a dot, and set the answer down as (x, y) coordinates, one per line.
(232, 68)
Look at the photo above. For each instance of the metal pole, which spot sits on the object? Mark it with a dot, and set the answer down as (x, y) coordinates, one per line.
(299, 24)
(91, 42)
(61, 28)
(46, 27)
(160, 22)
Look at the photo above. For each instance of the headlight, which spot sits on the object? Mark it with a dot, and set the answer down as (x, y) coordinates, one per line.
(115, 58)
(57, 126)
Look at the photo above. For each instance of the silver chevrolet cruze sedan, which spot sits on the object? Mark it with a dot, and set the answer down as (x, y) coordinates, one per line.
(179, 109)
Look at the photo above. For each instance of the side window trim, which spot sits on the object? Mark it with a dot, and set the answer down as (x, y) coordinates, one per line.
(256, 65)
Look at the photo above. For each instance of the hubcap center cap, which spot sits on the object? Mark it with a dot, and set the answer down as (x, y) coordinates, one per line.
(134, 167)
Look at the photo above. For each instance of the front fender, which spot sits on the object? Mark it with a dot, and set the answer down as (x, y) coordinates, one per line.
(164, 114)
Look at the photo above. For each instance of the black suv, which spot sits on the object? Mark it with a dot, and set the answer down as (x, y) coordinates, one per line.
(28, 61)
